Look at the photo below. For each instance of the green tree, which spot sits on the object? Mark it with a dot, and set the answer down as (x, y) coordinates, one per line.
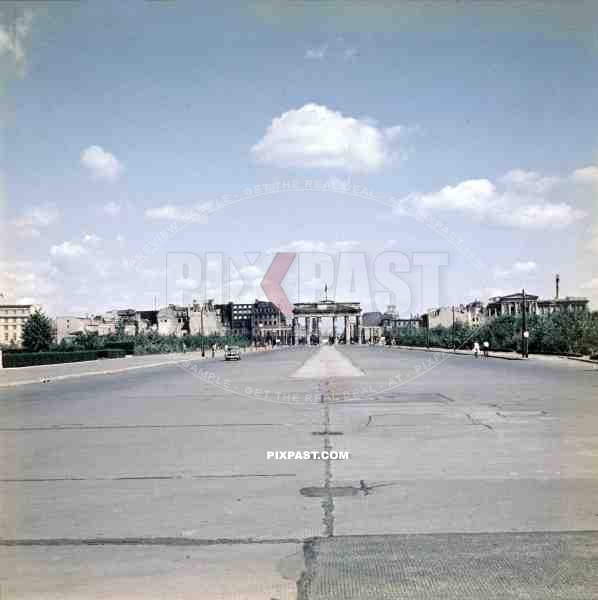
(38, 333)
(120, 329)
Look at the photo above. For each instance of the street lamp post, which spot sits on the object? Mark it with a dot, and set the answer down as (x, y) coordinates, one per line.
(203, 349)
(454, 349)
(524, 331)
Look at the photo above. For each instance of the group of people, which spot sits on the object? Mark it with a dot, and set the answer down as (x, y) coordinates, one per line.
(476, 349)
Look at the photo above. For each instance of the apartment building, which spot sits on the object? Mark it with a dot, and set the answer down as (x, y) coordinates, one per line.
(12, 320)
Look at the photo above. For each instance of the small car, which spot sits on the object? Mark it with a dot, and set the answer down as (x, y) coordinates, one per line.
(232, 353)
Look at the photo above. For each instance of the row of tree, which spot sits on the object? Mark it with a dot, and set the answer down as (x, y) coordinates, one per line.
(38, 336)
(558, 333)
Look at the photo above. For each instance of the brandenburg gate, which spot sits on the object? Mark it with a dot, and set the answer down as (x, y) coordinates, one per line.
(311, 313)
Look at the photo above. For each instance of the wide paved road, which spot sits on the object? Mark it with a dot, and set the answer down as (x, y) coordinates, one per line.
(466, 479)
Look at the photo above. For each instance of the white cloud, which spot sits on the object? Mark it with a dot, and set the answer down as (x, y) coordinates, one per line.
(302, 246)
(484, 293)
(518, 268)
(91, 238)
(529, 182)
(23, 281)
(590, 285)
(13, 37)
(586, 175)
(346, 245)
(68, 250)
(336, 50)
(317, 53)
(186, 284)
(543, 216)
(474, 195)
(169, 212)
(112, 209)
(525, 267)
(102, 164)
(518, 199)
(314, 136)
(29, 223)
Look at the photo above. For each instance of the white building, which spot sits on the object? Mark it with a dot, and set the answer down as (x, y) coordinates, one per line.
(71, 326)
(206, 319)
(470, 315)
(12, 320)
(173, 320)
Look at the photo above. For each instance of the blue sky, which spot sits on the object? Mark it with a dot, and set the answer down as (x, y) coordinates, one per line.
(119, 118)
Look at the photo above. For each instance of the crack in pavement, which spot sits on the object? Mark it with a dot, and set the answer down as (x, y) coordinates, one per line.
(478, 422)
(144, 477)
(79, 427)
(145, 541)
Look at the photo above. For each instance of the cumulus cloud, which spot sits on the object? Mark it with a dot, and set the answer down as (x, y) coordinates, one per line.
(29, 223)
(90, 272)
(23, 281)
(314, 136)
(170, 212)
(101, 164)
(518, 199)
(14, 36)
(91, 238)
(112, 209)
(166, 212)
(316, 53)
(529, 181)
(586, 175)
(518, 268)
(317, 246)
(68, 249)
(336, 49)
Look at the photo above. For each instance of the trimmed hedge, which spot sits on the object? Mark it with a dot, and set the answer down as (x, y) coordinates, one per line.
(126, 347)
(111, 353)
(30, 359)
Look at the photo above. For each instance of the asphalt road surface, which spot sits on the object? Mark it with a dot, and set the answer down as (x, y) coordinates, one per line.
(465, 479)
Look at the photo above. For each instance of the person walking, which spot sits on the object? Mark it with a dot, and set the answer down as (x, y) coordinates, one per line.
(486, 349)
(476, 349)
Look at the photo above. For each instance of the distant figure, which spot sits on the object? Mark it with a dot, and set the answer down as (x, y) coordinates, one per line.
(476, 349)
(486, 348)
(213, 350)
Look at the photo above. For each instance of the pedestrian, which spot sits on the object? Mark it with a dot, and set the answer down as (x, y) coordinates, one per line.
(476, 349)
(486, 348)
(213, 350)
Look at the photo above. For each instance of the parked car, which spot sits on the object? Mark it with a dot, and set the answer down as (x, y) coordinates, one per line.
(232, 353)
